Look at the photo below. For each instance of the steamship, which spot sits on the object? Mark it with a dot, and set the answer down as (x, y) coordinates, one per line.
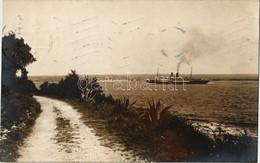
(176, 79)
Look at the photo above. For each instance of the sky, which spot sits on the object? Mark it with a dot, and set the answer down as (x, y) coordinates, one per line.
(137, 37)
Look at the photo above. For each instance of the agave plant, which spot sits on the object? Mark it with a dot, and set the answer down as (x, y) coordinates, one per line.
(155, 112)
(91, 90)
(124, 106)
(89, 95)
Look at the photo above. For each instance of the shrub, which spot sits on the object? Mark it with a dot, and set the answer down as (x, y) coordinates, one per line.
(44, 88)
(155, 112)
(18, 114)
(25, 86)
(91, 90)
(123, 106)
(66, 88)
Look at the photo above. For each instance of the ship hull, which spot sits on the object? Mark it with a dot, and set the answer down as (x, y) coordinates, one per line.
(193, 81)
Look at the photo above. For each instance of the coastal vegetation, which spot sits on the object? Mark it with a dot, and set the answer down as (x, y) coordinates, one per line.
(19, 109)
(153, 132)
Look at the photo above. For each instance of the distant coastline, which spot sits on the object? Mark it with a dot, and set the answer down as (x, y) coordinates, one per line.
(214, 77)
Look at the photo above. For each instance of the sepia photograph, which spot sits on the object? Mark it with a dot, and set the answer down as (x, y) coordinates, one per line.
(129, 81)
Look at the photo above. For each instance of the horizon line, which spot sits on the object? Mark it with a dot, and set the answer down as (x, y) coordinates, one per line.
(150, 74)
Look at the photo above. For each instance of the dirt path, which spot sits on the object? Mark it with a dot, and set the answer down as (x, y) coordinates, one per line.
(60, 135)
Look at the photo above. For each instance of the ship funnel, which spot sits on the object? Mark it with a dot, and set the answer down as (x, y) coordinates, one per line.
(177, 73)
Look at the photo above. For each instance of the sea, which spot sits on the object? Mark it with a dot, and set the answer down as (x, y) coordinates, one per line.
(228, 103)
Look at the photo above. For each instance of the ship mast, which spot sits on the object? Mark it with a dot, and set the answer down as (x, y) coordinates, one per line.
(158, 72)
(191, 73)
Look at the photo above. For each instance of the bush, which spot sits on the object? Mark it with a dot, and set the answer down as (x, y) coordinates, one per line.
(26, 86)
(18, 108)
(66, 88)
(123, 106)
(18, 114)
(155, 113)
(71, 87)
(91, 91)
